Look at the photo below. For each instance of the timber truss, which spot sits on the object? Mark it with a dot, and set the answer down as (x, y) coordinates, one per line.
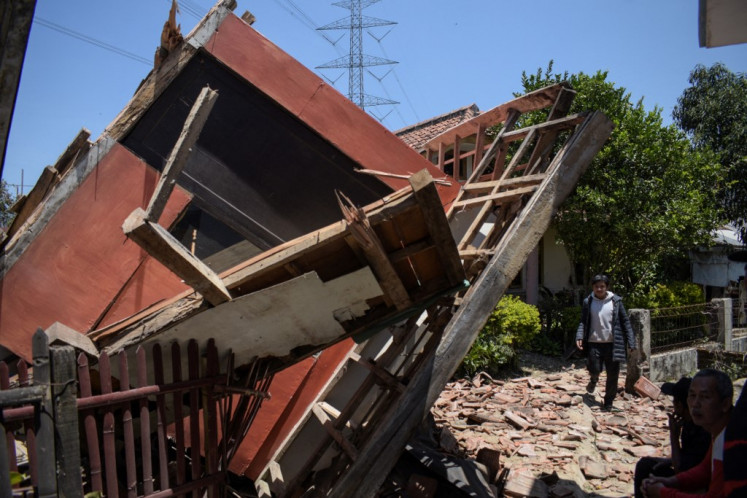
(515, 179)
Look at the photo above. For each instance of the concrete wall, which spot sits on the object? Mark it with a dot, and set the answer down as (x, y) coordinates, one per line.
(739, 340)
(673, 364)
(556, 264)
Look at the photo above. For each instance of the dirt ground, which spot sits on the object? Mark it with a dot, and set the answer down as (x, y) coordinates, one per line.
(546, 428)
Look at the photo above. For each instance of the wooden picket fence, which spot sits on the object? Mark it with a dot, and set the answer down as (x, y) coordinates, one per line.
(118, 435)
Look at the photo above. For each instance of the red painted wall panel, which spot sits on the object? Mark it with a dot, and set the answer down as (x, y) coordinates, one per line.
(82, 259)
(260, 450)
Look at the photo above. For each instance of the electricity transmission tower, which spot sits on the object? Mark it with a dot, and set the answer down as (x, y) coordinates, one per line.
(357, 60)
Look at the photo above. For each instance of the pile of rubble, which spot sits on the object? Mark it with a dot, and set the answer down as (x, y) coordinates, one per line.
(543, 435)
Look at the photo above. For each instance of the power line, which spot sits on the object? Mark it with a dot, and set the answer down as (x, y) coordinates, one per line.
(306, 20)
(190, 8)
(399, 83)
(91, 41)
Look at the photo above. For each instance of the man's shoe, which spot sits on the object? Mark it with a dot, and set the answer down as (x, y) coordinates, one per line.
(610, 408)
(591, 386)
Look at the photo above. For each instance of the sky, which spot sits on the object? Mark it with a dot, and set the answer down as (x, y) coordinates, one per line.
(86, 58)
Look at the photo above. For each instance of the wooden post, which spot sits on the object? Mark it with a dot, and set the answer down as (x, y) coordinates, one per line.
(180, 153)
(67, 448)
(44, 419)
(5, 468)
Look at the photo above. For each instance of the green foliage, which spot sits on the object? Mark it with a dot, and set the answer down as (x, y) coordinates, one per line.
(513, 324)
(560, 318)
(646, 199)
(6, 201)
(713, 112)
(17, 478)
(670, 296)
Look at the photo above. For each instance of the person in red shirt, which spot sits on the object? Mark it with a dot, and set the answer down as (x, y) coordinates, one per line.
(710, 401)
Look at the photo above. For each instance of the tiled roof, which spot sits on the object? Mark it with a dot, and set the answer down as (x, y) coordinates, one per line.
(418, 134)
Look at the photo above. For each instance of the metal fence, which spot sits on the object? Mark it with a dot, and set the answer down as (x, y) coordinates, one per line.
(683, 326)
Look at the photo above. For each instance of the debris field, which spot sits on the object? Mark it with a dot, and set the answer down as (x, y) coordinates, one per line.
(553, 439)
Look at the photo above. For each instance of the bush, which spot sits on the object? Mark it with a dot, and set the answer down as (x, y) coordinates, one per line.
(560, 318)
(512, 325)
(670, 296)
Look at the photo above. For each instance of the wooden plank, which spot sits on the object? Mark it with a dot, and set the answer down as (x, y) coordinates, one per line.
(365, 475)
(541, 153)
(160, 244)
(158, 377)
(89, 421)
(435, 219)
(519, 154)
(489, 186)
(66, 422)
(128, 429)
(378, 259)
(277, 483)
(386, 377)
(538, 99)
(193, 370)
(145, 444)
(176, 372)
(29, 425)
(109, 441)
(334, 432)
(193, 125)
(210, 416)
(66, 335)
(498, 198)
(313, 314)
(557, 124)
(26, 205)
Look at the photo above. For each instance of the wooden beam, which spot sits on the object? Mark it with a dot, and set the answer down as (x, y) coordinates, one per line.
(374, 462)
(374, 252)
(507, 196)
(71, 337)
(382, 374)
(334, 433)
(179, 154)
(483, 187)
(538, 99)
(437, 225)
(160, 244)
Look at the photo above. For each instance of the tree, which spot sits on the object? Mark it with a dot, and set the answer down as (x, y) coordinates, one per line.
(6, 201)
(713, 113)
(645, 200)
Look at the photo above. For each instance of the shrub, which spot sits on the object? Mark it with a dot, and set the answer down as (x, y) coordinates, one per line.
(512, 325)
(670, 296)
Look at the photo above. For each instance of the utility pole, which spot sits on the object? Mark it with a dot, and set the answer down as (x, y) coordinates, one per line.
(356, 60)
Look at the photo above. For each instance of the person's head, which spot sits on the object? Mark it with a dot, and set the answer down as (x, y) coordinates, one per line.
(678, 391)
(709, 399)
(599, 285)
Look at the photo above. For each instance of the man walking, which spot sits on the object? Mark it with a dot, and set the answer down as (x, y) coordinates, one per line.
(604, 334)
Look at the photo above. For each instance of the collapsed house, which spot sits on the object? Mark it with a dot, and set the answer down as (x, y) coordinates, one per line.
(331, 277)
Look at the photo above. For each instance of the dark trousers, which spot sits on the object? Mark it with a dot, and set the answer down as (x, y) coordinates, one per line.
(650, 466)
(600, 356)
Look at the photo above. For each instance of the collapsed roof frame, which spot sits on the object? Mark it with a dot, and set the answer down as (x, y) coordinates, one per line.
(499, 216)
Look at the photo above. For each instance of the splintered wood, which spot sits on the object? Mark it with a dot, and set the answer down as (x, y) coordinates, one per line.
(547, 424)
